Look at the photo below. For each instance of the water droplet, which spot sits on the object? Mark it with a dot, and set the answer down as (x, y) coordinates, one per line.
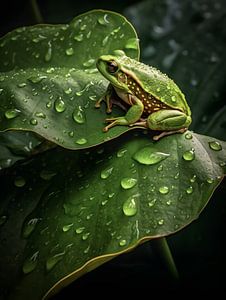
(78, 37)
(103, 20)
(1, 90)
(37, 78)
(68, 91)
(149, 156)
(67, 227)
(128, 183)
(33, 121)
(122, 243)
(160, 168)
(29, 227)
(164, 189)
(79, 115)
(59, 105)
(152, 202)
(169, 202)
(189, 190)
(19, 181)
(12, 113)
(111, 195)
(47, 174)
(81, 141)
(189, 155)
(30, 263)
(130, 206)
(86, 250)
(85, 236)
(188, 136)
(79, 230)
(132, 44)
(106, 173)
(193, 178)
(161, 222)
(53, 260)
(21, 85)
(177, 176)
(173, 98)
(210, 180)
(214, 145)
(49, 104)
(105, 40)
(89, 63)
(3, 219)
(69, 51)
(121, 152)
(79, 93)
(104, 202)
(48, 54)
(222, 164)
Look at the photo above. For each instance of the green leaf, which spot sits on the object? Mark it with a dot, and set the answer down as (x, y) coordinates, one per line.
(15, 146)
(77, 210)
(49, 82)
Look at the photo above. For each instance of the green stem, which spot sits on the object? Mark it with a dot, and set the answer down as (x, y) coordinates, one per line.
(36, 12)
(163, 250)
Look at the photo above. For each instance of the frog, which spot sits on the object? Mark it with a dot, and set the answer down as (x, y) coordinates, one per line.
(152, 100)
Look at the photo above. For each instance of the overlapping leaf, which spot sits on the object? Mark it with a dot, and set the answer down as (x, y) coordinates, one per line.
(108, 201)
(49, 82)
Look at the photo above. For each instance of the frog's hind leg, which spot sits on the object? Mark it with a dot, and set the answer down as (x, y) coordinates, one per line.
(107, 98)
(165, 133)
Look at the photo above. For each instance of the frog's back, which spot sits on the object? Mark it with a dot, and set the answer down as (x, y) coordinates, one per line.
(157, 84)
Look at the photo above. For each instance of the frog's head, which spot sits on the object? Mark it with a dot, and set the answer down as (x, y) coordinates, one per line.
(111, 68)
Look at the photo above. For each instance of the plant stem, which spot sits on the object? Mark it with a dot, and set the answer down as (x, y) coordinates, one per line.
(36, 12)
(163, 249)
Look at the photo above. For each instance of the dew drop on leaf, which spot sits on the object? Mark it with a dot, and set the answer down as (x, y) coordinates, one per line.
(152, 202)
(40, 115)
(47, 175)
(106, 173)
(68, 91)
(131, 44)
(49, 104)
(103, 20)
(67, 227)
(188, 136)
(28, 227)
(59, 105)
(122, 243)
(37, 78)
(69, 51)
(79, 115)
(48, 54)
(30, 263)
(12, 113)
(210, 180)
(161, 222)
(164, 190)
(89, 63)
(19, 181)
(130, 206)
(53, 260)
(214, 145)
(33, 121)
(78, 37)
(79, 230)
(193, 178)
(189, 190)
(149, 156)
(81, 141)
(121, 152)
(21, 85)
(105, 40)
(128, 183)
(85, 236)
(189, 155)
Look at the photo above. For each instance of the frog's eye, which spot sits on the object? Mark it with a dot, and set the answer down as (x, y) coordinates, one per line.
(112, 66)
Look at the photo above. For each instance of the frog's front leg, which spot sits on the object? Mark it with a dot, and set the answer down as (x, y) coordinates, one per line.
(168, 121)
(107, 98)
(133, 114)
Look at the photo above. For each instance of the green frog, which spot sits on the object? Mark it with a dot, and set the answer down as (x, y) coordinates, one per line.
(154, 100)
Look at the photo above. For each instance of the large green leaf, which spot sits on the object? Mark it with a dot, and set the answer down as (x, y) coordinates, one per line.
(65, 213)
(186, 39)
(49, 82)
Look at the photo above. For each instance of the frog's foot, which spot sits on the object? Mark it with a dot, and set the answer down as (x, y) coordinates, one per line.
(114, 122)
(165, 133)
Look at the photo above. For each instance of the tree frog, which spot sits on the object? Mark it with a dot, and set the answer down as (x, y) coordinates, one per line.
(154, 101)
